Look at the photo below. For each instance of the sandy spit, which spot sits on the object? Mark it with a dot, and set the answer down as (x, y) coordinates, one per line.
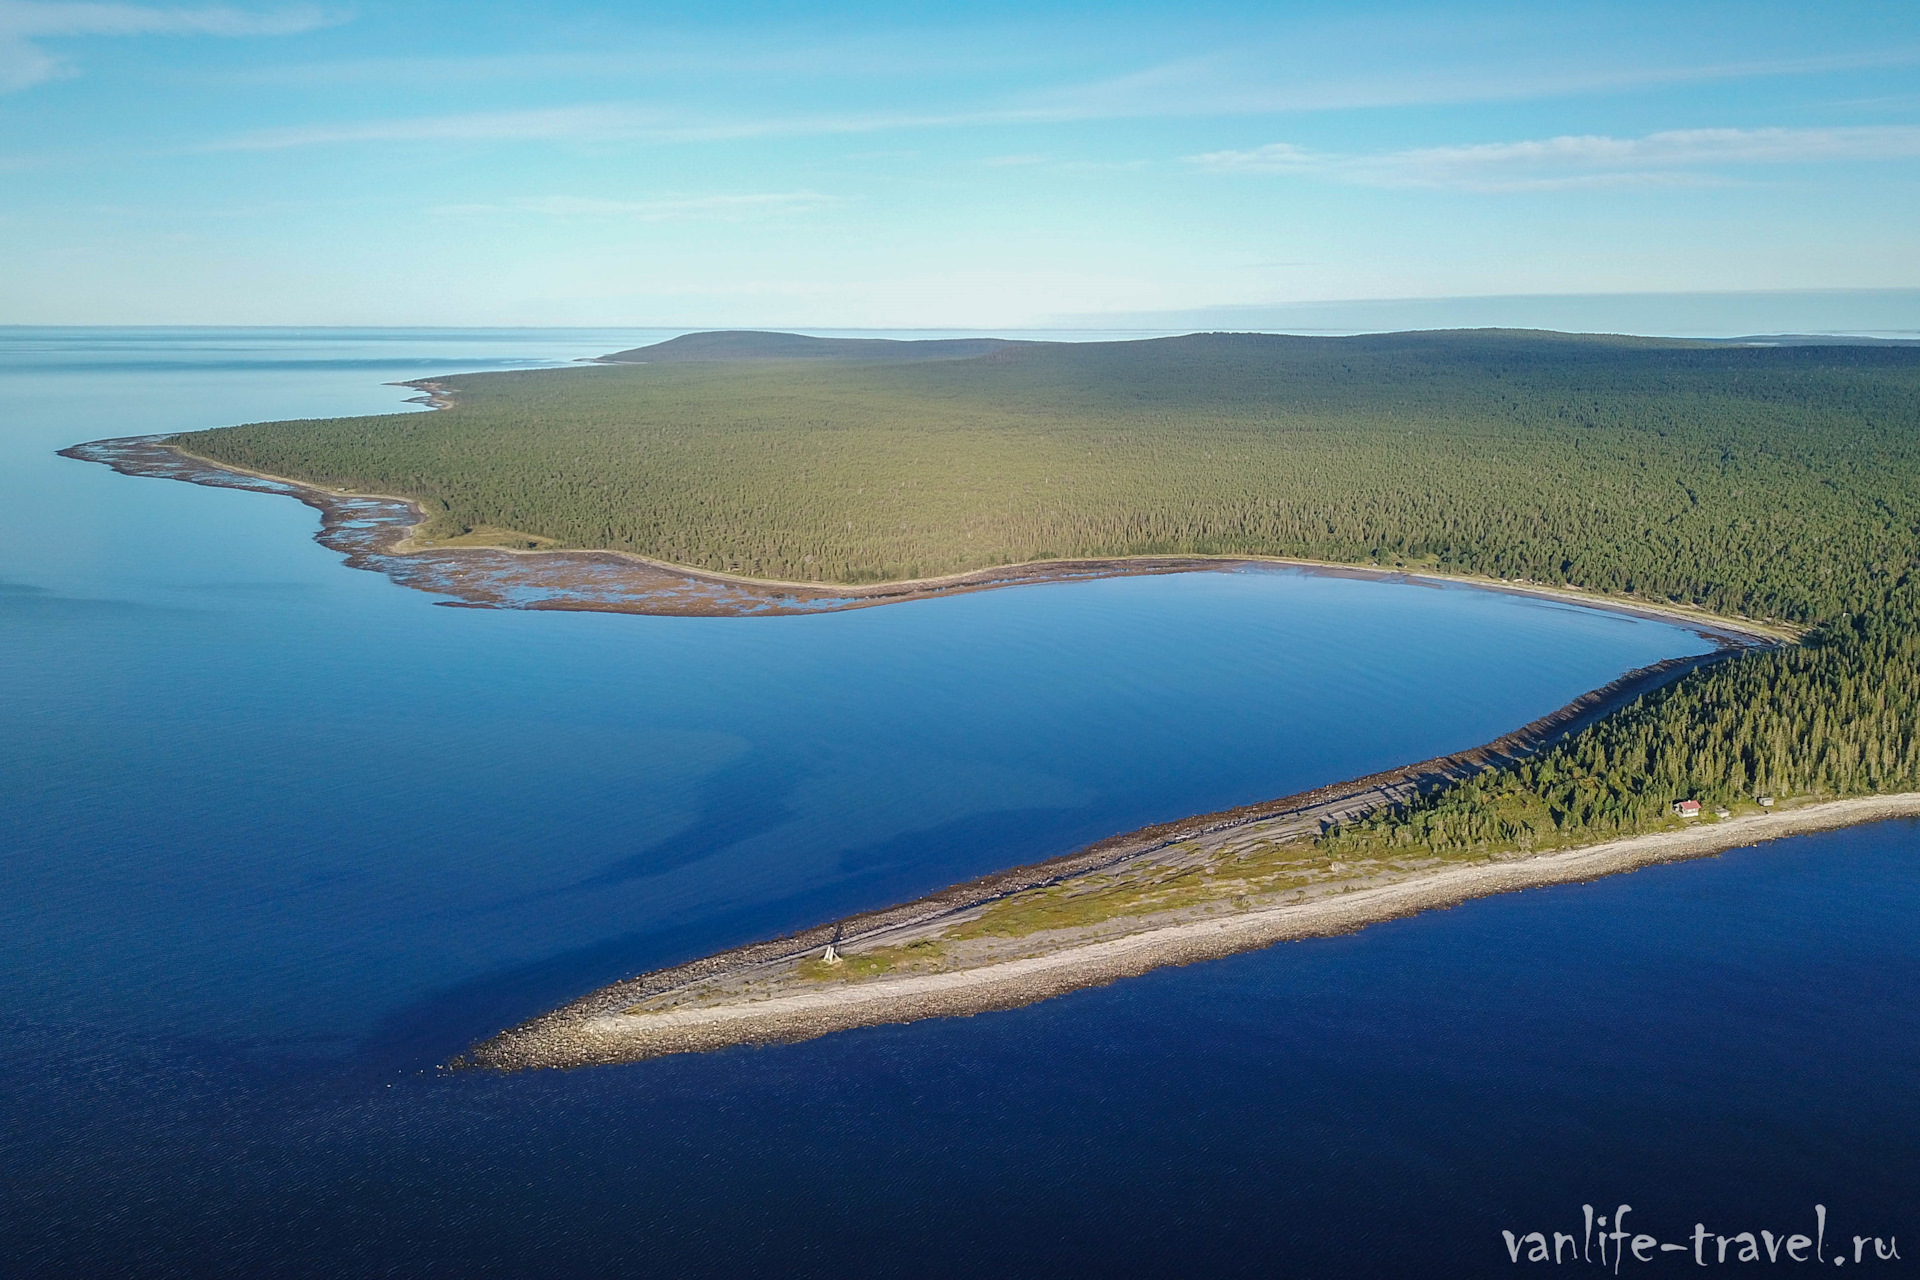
(561, 1041)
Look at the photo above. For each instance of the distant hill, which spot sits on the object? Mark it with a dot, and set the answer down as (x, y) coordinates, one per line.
(746, 344)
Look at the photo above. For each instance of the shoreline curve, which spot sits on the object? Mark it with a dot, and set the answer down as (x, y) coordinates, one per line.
(375, 532)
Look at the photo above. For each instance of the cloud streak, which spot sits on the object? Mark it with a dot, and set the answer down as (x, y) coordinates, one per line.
(23, 63)
(1250, 83)
(1234, 85)
(1673, 157)
(606, 122)
(669, 209)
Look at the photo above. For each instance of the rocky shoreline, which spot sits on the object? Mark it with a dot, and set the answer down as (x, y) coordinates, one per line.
(374, 532)
(599, 1030)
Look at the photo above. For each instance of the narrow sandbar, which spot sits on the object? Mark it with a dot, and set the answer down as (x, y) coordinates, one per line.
(590, 1033)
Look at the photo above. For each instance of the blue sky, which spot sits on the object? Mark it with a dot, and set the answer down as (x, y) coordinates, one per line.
(936, 165)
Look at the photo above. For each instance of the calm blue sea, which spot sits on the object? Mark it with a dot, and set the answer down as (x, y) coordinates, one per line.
(277, 837)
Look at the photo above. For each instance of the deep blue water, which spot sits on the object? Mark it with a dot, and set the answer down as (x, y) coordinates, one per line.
(277, 837)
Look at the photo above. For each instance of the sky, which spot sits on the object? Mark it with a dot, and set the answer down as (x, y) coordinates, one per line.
(956, 165)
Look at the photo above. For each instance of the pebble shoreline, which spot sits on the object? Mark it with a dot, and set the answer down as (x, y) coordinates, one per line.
(583, 1039)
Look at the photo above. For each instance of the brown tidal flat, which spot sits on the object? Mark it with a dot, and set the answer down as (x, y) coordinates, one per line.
(375, 532)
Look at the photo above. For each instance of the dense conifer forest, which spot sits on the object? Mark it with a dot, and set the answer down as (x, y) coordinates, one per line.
(1774, 482)
(1833, 716)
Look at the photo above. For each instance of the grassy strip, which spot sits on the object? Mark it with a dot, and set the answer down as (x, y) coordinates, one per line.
(872, 963)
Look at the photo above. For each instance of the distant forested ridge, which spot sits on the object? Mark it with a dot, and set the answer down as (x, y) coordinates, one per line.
(1775, 482)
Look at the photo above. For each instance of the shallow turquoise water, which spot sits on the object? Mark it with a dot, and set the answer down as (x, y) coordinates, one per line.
(280, 836)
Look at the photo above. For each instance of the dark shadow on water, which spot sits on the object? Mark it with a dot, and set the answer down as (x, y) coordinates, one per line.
(749, 797)
(901, 868)
(746, 798)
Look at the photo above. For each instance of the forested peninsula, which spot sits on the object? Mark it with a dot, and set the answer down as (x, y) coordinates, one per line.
(1777, 486)
(1754, 481)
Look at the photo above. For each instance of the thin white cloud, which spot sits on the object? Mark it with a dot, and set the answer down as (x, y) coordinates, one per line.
(1684, 147)
(603, 122)
(670, 209)
(24, 63)
(1221, 86)
(1274, 157)
(1673, 157)
(35, 19)
(1253, 83)
(868, 58)
(586, 123)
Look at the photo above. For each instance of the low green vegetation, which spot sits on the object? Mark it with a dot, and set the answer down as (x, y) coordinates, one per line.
(1261, 872)
(1770, 482)
(486, 536)
(1079, 903)
(871, 963)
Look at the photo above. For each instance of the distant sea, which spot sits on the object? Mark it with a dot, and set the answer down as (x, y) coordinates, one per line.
(278, 837)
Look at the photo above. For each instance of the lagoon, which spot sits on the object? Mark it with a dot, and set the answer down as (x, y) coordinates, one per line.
(281, 837)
